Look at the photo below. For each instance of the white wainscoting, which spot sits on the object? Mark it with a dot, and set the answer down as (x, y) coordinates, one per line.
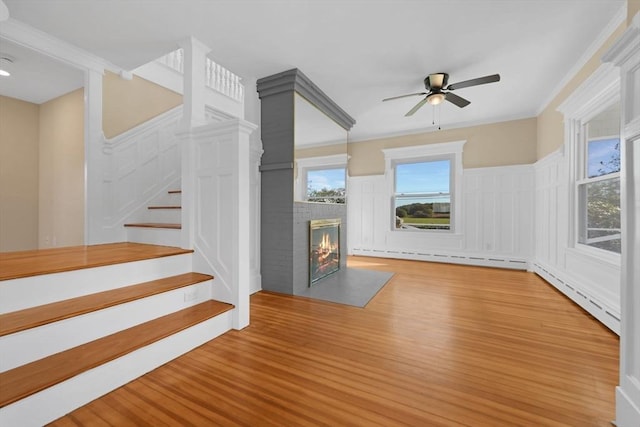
(140, 164)
(496, 229)
(590, 278)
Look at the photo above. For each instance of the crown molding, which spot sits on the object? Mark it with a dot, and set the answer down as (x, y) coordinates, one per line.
(628, 45)
(614, 23)
(48, 45)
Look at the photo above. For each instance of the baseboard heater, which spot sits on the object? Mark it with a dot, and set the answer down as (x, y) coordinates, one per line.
(511, 263)
(592, 305)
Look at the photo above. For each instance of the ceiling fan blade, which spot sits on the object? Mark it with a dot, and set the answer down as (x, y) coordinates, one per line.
(404, 96)
(457, 100)
(475, 82)
(416, 108)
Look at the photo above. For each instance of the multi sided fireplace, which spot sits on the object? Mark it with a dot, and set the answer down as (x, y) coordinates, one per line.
(324, 248)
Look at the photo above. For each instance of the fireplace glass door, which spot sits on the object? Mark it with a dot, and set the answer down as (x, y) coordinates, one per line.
(324, 248)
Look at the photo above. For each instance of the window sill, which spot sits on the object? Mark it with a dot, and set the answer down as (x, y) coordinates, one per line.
(599, 255)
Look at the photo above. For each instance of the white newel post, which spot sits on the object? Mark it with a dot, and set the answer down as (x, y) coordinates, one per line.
(94, 167)
(221, 173)
(195, 57)
(195, 54)
(625, 53)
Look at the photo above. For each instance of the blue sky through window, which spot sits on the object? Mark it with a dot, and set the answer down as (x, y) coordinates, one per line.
(325, 178)
(603, 157)
(420, 178)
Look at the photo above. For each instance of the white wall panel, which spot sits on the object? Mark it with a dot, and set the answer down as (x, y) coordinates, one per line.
(496, 228)
(587, 276)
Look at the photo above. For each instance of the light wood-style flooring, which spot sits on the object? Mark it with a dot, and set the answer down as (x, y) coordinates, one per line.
(439, 345)
(14, 265)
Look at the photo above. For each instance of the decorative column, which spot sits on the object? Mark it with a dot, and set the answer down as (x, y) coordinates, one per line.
(94, 167)
(195, 54)
(625, 53)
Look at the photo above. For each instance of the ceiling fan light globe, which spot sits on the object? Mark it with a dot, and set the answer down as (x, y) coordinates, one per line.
(436, 98)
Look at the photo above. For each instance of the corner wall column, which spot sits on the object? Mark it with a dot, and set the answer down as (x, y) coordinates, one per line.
(94, 167)
(625, 53)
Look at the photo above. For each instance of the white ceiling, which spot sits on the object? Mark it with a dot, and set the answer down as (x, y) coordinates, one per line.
(356, 51)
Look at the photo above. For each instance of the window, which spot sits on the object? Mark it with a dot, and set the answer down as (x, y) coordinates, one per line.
(321, 179)
(424, 182)
(326, 185)
(422, 198)
(598, 181)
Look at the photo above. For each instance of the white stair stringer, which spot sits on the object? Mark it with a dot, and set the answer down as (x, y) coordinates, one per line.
(36, 343)
(21, 293)
(54, 402)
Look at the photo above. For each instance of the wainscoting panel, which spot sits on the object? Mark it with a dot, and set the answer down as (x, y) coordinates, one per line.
(496, 229)
(587, 276)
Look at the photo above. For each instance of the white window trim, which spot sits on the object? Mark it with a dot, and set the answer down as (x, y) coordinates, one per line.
(594, 95)
(321, 162)
(428, 152)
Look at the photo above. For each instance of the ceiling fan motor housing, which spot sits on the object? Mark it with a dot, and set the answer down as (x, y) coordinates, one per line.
(436, 81)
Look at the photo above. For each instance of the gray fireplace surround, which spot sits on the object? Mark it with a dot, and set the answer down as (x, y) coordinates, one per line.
(284, 221)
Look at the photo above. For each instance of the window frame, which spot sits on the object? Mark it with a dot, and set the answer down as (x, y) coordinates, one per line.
(599, 92)
(424, 153)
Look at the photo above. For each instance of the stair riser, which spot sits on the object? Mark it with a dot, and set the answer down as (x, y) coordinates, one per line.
(27, 346)
(18, 294)
(154, 236)
(54, 402)
(167, 216)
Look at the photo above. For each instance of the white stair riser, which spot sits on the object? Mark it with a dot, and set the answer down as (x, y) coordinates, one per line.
(18, 294)
(154, 236)
(165, 216)
(54, 402)
(35, 343)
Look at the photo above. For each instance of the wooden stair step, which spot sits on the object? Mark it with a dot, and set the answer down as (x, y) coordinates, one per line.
(172, 226)
(41, 315)
(36, 376)
(15, 265)
(164, 207)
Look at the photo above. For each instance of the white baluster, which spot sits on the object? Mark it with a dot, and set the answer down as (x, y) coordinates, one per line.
(208, 71)
(218, 78)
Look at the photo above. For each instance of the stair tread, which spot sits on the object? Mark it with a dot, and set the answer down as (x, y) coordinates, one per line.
(155, 225)
(15, 265)
(165, 207)
(41, 315)
(36, 376)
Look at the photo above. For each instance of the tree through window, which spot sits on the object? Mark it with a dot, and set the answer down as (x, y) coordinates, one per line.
(599, 182)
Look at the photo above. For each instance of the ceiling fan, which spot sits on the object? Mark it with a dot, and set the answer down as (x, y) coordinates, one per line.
(436, 85)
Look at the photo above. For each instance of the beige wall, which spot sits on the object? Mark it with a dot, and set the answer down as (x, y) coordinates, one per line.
(496, 144)
(326, 150)
(61, 207)
(18, 175)
(550, 121)
(128, 103)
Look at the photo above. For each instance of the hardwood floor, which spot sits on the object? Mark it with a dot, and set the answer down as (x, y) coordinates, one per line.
(439, 345)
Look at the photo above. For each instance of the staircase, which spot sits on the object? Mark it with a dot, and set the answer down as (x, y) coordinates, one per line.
(162, 222)
(79, 322)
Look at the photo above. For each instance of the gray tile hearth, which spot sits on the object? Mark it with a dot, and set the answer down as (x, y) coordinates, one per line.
(350, 286)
